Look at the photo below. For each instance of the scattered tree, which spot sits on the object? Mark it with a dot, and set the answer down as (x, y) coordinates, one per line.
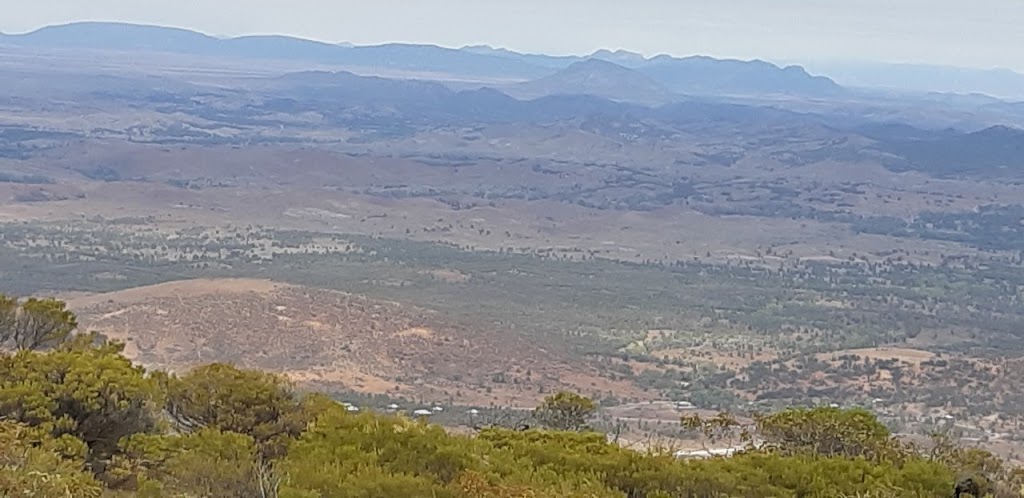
(565, 411)
(92, 393)
(82, 406)
(34, 464)
(260, 405)
(830, 432)
(35, 323)
(207, 462)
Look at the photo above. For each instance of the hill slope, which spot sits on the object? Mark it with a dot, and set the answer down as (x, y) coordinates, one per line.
(708, 76)
(326, 338)
(990, 153)
(599, 78)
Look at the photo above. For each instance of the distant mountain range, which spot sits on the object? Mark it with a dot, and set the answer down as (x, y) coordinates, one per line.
(610, 94)
(696, 75)
(133, 37)
(1001, 83)
(371, 102)
(661, 75)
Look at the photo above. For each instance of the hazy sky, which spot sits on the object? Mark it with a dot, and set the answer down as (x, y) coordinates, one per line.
(972, 33)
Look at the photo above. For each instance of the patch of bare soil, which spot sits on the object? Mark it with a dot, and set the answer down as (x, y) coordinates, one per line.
(731, 359)
(176, 290)
(329, 340)
(902, 355)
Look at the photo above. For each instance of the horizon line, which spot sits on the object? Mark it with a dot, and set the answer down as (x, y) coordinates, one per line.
(781, 62)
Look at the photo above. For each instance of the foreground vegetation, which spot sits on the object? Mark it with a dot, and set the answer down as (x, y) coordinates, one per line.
(79, 419)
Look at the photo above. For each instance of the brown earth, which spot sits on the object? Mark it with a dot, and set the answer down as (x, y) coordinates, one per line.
(258, 185)
(330, 340)
(902, 355)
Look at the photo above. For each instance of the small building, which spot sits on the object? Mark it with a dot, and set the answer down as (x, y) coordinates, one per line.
(707, 453)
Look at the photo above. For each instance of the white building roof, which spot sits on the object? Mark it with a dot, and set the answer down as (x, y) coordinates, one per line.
(708, 453)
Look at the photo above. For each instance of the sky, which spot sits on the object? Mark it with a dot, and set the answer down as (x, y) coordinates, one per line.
(966, 33)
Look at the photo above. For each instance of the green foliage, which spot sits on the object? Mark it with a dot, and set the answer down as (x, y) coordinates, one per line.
(565, 411)
(34, 464)
(758, 474)
(369, 455)
(8, 315)
(35, 323)
(828, 432)
(257, 404)
(987, 471)
(92, 393)
(347, 455)
(752, 474)
(206, 463)
(84, 406)
(716, 428)
(580, 459)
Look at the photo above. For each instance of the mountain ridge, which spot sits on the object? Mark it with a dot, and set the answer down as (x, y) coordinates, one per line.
(125, 36)
(999, 83)
(698, 75)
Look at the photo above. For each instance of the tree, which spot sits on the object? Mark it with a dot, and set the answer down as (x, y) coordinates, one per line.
(722, 427)
(476, 485)
(204, 463)
(968, 488)
(979, 469)
(90, 392)
(34, 464)
(366, 455)
(35, 323)
(8, 314)
(565, 411)
(829, 432)
(261, 405)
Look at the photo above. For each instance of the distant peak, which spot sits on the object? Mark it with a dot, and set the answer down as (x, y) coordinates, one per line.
(595, 62)
(1001, 131)
(600, 78)
(487, 50)
(111, 25)
(619, 53)
(597, 65)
